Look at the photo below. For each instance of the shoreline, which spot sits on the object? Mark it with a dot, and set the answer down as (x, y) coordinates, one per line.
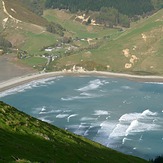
(14, 82)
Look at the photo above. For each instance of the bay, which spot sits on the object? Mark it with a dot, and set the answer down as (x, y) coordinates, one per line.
(121, 114)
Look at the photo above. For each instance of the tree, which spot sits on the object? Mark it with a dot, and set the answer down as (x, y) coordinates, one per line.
(55, 28)
(158, 159)
(89, 21)
(111, 17)
(5, 44)
(126, 7)
(124, 21)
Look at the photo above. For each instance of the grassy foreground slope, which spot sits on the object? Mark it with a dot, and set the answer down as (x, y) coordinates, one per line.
(26, 138)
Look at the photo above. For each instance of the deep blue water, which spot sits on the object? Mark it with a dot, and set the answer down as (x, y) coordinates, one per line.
(118, 113)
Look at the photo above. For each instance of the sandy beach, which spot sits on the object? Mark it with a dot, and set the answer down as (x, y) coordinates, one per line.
(13, 82)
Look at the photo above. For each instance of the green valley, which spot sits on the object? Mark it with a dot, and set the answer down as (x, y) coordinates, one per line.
(134, 50)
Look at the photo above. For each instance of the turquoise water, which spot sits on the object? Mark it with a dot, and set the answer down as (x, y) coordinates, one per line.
(118, 113)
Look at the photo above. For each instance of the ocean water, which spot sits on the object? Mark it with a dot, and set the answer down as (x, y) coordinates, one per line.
(118, 113)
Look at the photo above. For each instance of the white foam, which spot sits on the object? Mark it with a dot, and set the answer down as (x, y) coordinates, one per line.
(126, 102)
(126, 87)
(124, 140)
(108, 117)
(139, 122)
(45, 120)
(103, 134)
(67, 111)
(141, 138)
(155, 83)
(134, 124)
(106, 128)
(86, 96)
(73, 115)
(57, 111)
(86, 132)
(30, 85)
(101, 112)
(88, 119)
(148, 113)
(129, 117)
(37, 110)
(79, 132)
(82, 129)
(74, 98)
(47, 112)
(136, 127)
(94, 84)
(118, 131)
(43, 109)
(74, 127)
(62, 115)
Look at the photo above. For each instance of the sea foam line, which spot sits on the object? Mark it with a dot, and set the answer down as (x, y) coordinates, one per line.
(30, 85)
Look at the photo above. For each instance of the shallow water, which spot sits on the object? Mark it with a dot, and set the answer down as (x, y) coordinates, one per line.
(121, 114)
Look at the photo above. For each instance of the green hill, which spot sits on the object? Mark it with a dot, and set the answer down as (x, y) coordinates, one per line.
(134, 50)
(26, 139)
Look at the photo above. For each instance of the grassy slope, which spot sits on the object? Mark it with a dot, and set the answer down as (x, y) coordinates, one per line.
(149, 52)
(22, 13)
(24, 137)
(76, 29)
(30, 34)
(33, 37)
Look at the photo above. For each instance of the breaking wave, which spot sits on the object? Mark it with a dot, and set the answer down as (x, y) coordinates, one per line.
(101, 112)
(30, 85)
(83, 95)
(94, 84)
(62, 115)
(135, 123)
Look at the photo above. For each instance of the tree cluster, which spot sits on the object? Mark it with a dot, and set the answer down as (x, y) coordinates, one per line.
(111, 17)
(126, 7)
(4, 44)
(158, 159)
(55, 28)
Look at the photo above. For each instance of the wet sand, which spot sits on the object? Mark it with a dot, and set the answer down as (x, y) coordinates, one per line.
(13, 82)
